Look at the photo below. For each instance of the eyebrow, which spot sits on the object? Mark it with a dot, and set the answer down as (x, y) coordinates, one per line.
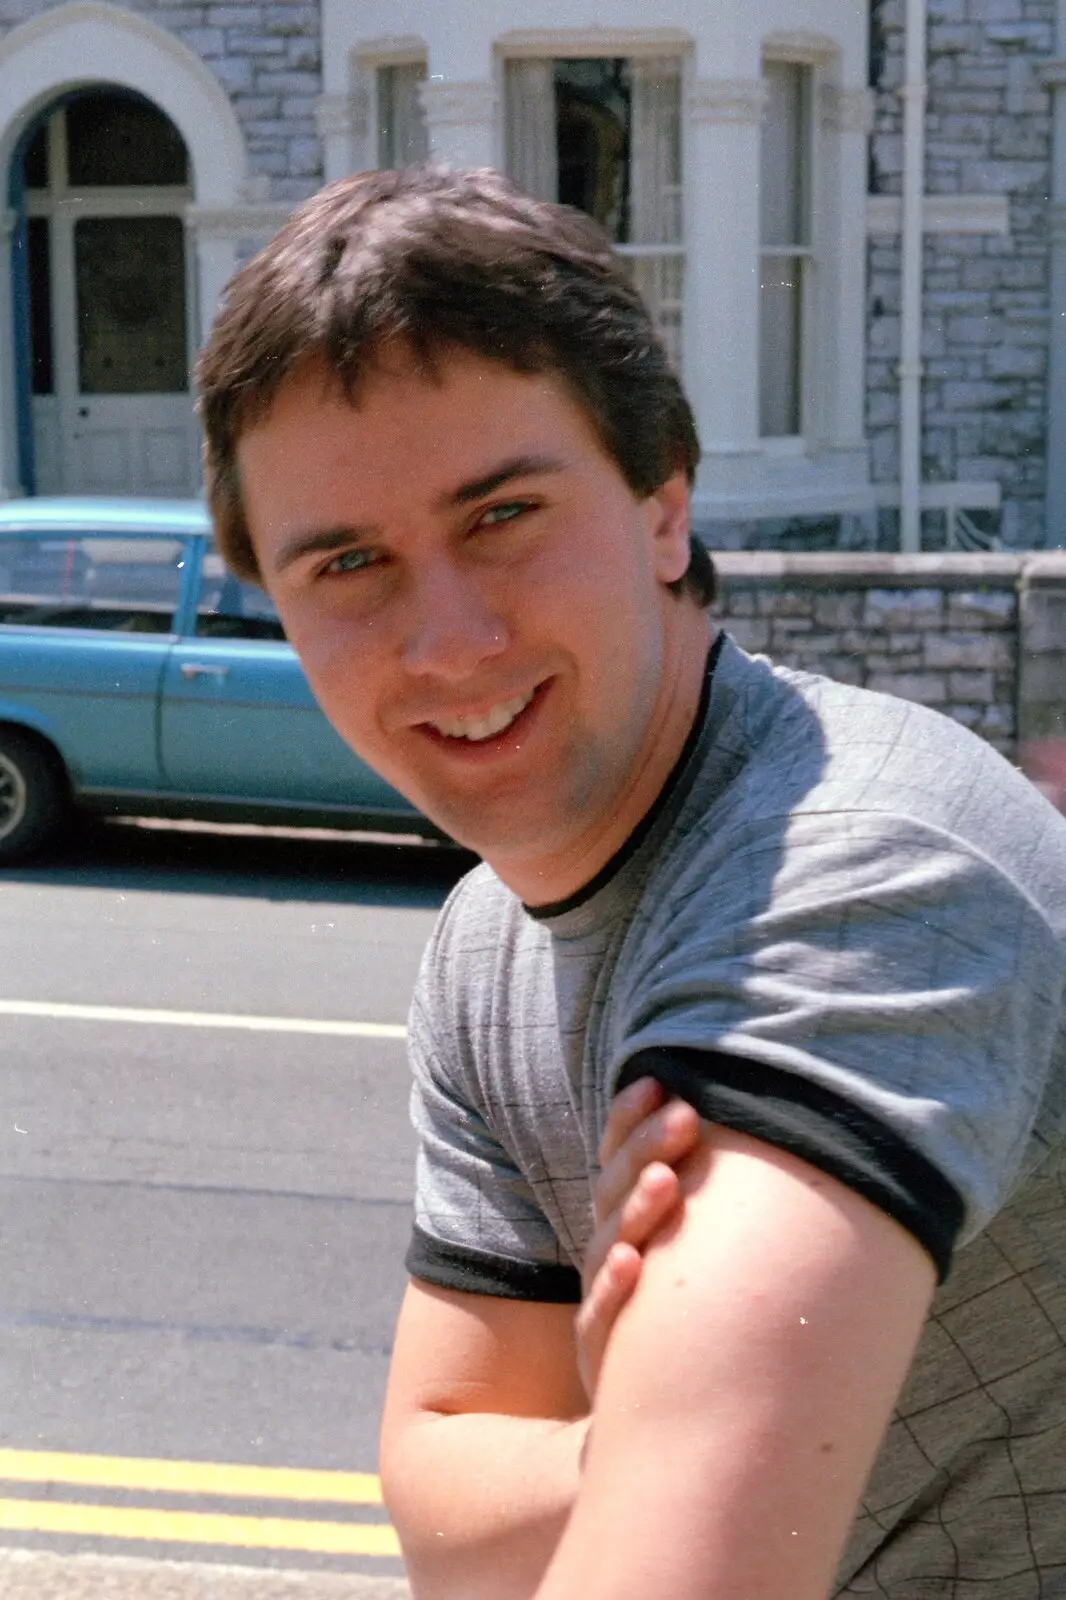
(516, 467)
(320, 540)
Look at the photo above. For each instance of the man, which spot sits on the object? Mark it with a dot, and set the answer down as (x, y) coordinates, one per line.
(823, 1347)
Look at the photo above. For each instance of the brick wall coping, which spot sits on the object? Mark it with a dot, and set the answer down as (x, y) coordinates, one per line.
(1047, 567)
(867, 569)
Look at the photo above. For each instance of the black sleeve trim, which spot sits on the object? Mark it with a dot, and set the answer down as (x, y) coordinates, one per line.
(454, 1266)
(814, 1123)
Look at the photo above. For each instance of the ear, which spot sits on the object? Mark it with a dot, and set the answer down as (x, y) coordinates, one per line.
(669, 524)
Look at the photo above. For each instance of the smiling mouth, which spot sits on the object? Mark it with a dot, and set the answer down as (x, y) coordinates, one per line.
(477, 729)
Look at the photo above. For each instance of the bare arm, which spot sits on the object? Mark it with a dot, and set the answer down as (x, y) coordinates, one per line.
(745, 1388)
(485, 1417)
(482, 1432)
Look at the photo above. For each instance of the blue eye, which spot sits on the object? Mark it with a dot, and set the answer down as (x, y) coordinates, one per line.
(350, 561)
(505, 513)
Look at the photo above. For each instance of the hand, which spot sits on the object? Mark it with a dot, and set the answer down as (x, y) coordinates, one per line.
(636, 1192)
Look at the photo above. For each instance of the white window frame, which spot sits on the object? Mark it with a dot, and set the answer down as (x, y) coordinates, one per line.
(608, 44)
(382, 157)
(367, 61)
(809, 255)
(62, 206)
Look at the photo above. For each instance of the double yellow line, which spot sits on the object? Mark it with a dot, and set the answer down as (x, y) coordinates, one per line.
(208, 1478)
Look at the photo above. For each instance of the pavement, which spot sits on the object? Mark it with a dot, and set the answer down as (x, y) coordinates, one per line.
(205, 1174)
(44, 1575)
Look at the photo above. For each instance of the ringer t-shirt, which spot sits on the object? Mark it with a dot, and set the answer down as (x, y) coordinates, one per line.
(842, 930)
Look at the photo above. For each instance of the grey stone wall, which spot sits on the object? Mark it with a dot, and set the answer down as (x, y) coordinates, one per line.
(985, 331)
(267, 54)
(946, 630)
(1042, 674)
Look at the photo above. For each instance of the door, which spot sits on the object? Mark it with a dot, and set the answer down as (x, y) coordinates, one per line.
(106, 185)
(85, 631)
(238, 720)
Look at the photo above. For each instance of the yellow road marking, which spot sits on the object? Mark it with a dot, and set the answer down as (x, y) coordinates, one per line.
(190, 1477)
(200, 1019)
(195, 1527)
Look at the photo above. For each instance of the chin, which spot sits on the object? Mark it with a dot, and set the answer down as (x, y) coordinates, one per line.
(506, 837)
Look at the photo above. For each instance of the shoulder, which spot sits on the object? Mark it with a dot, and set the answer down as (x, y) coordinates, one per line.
(482, 937)
(481, 925)
(845, 765)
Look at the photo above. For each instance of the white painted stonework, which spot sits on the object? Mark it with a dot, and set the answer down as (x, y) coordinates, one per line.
(89, 42)
(272, 100)
(465, 49)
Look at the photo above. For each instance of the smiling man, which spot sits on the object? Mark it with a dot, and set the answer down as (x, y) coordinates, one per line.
(753, 1014)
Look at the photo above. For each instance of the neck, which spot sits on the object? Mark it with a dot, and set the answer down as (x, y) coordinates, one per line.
(557, 877)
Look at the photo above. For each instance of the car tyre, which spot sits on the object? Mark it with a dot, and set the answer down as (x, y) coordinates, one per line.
(33, 796)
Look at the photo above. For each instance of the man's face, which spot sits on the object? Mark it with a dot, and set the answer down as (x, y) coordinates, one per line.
(476, 595)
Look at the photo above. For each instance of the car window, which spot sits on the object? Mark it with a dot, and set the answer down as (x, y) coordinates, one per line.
(230, 609)
(118, 585)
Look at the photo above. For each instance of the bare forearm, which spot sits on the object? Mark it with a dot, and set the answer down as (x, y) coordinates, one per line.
(480, 1501)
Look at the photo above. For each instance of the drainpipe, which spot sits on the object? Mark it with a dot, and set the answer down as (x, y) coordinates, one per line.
(1053, 77)
(913, 94)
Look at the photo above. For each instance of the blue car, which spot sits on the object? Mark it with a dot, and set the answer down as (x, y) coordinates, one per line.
(138, 677)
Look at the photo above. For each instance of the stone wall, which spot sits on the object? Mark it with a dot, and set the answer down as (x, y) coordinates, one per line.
(985, 329)
(980, 638)
(267, 54)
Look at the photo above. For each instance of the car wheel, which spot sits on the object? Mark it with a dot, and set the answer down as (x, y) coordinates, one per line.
(32, 796)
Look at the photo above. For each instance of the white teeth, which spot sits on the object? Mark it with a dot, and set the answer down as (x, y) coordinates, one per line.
(494, 722)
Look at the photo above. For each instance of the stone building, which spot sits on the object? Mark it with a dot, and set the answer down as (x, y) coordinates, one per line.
(848, 223)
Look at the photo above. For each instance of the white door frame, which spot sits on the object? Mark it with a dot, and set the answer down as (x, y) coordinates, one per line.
(63, 206)
(90, 43)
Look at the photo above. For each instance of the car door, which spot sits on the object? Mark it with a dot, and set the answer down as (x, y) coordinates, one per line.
(86, 624)
(238, 719)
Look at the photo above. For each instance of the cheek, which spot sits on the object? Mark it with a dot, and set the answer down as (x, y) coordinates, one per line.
(340, 665)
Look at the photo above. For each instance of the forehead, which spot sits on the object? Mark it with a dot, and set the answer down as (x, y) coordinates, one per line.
(418, 414)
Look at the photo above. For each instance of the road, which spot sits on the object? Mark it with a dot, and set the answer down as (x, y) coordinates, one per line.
(205, 1168)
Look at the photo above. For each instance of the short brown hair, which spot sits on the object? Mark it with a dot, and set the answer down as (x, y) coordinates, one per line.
(438, 260)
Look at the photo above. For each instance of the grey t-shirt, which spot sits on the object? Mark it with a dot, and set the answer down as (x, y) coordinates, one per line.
(842, 930)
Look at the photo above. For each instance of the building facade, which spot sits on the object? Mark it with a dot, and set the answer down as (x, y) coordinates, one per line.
(850, 225)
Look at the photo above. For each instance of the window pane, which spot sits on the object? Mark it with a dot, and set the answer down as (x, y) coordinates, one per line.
(230, 609)
(655, 151)
(593, 114)
(119, 585)
(530, 130)
(660, 281)
(39, 270)
(35, 161)
(118, 139)
(130, 283)
(780, 305)
(784, 178)
(402, 138)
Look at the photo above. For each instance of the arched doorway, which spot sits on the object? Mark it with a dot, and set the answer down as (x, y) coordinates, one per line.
(101, 182)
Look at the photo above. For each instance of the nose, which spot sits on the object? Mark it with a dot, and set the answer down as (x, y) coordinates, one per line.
(452, 628)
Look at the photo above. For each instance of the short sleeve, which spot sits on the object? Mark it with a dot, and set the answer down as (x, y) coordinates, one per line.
(878, 961)
(478, 1226)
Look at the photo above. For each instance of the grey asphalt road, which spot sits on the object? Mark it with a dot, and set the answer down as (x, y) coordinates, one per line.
(202, 1230)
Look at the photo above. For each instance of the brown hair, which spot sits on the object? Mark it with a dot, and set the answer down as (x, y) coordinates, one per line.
(438, 259)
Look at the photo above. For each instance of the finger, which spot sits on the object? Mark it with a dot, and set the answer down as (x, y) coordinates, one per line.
(610, 1290)
(656, 1192)
(666, 1136)
(615, 1281)
(636, 1102)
